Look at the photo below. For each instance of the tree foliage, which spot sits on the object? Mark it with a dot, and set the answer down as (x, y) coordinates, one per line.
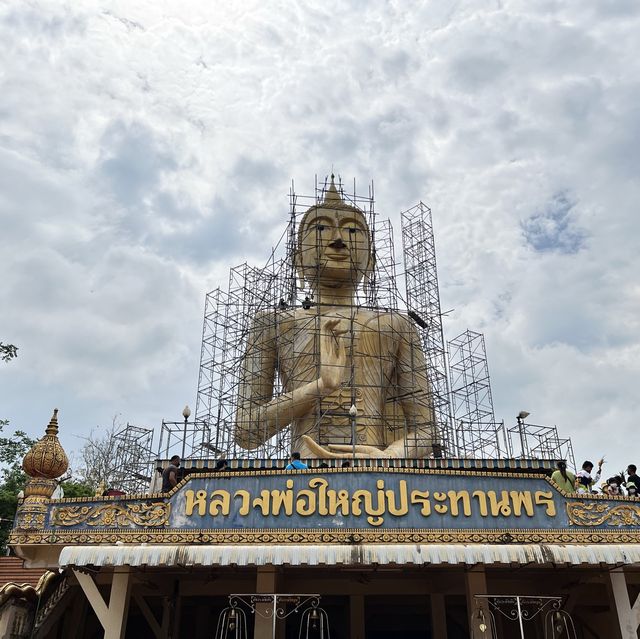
(97, 463)
(98, 457)
(75, 488)
(12, 478)
(8, 351)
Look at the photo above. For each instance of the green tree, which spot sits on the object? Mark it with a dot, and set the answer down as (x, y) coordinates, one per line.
(12, 478)
(75, 488)
(12, 451)
(8, 351)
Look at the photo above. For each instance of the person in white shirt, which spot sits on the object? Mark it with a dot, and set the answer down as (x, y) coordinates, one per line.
(584, 480)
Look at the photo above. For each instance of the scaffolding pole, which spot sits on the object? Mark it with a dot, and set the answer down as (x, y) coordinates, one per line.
(478, 435)
(133, 459)
(423, 303)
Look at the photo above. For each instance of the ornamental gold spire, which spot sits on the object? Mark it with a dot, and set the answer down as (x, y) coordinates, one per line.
(332, 195)
(47, 459)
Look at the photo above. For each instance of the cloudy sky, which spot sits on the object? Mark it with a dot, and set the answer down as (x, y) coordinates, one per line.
(145, 147)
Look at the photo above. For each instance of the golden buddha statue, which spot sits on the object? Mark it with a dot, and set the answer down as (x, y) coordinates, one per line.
(353, 378)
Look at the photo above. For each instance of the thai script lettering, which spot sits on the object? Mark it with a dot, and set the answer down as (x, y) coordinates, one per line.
(317, 498)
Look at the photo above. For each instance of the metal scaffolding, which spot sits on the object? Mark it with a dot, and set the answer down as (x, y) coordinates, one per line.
(241, 324)
(261, 339)
(477, 433)
(133, 459)
(423, 306)
(533, 441)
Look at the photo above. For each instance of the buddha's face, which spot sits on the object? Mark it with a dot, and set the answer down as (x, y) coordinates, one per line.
(335, 246)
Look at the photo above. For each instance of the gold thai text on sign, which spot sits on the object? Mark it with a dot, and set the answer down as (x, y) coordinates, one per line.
(321, 500)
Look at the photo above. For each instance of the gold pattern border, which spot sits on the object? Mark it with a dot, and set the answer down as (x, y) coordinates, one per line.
(596, 514)
(138, 514)
(322, 536)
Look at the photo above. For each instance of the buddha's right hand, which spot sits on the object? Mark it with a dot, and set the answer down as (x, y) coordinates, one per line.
(333, 356)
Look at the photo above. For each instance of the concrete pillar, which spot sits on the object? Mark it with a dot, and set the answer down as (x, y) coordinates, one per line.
(476, 584)
(438, 616)
(628, 615)
(356, 617)
(266, 582)
(112, 617)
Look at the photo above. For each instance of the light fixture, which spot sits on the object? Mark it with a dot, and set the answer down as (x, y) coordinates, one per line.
(353, 411)
(558, 621)
(482, 625)
(523, 414)
(186, 411)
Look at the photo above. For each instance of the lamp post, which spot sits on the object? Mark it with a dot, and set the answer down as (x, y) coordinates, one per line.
(521, 416)
(353, 413)
(186, 413)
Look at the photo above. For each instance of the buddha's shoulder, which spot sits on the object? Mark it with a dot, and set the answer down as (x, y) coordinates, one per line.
(369, 317)
(384, 318)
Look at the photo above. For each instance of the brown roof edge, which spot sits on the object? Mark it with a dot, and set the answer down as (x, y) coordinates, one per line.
(27, 591)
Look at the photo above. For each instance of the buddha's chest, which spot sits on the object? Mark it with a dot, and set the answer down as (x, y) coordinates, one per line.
(368, 337)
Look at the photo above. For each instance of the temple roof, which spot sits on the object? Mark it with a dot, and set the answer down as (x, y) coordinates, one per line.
(355, 555)
(18, 581)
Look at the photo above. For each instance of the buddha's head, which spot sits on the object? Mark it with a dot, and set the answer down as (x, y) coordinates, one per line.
(334, 244)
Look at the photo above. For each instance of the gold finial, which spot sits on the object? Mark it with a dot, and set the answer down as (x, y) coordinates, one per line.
(100, 489)
(332, 192)
(52, 428)
(47, 459)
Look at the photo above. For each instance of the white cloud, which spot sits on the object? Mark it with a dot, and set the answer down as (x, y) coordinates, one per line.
(145, 149)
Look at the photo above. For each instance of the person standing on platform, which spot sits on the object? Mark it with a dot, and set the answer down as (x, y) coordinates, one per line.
(295, 463)
(564, 479)
(584, 480)
(633, 477)
(613, 486)
(170, 474)
(221, 466)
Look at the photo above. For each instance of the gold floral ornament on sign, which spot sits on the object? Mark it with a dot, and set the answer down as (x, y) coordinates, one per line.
(45, 462)
(597, 513)
(113, 515)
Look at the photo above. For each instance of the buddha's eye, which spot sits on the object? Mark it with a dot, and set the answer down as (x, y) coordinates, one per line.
(320, 227)
(352, 230)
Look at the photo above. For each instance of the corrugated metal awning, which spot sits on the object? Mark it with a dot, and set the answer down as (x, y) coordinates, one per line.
(356, 555)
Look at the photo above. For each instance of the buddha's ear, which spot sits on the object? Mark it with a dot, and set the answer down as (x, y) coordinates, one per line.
(371, 264)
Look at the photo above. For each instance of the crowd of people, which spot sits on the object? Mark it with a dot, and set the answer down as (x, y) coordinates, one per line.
(585, 482)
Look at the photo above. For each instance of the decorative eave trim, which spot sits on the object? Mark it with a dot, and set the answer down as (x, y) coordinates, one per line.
(323, 536)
